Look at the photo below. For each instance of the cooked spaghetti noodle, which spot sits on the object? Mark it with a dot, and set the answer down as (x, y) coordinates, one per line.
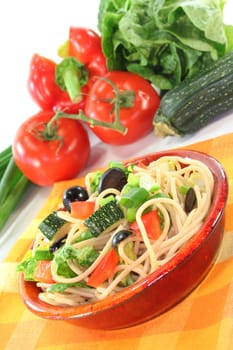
(169, 175)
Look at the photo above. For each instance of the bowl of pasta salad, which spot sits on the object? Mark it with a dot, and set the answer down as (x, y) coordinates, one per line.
(128, 242)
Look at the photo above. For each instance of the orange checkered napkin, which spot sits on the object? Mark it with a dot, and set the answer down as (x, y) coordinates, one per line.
(203, 320)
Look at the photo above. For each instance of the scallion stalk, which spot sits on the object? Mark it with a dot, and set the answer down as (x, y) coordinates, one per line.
(12, 200)
(5, 157)
(13, 184)
(10, 177)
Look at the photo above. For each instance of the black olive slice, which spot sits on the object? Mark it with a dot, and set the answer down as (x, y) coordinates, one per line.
(190, 200)
(120, 236)
(112, 178)
(73, 194)
(57, 244)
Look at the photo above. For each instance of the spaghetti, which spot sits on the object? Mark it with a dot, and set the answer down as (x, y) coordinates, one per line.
(167, 180)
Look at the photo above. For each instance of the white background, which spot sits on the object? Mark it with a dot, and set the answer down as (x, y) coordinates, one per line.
(41, 26)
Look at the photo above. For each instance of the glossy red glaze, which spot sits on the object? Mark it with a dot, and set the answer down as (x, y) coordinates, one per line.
(163, 288)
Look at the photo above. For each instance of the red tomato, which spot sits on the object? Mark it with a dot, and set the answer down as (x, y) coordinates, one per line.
(137, 119)
(82, 209)
(151, 221)
(42, 161)
(83, 44)
(104, 269)
(43, 272)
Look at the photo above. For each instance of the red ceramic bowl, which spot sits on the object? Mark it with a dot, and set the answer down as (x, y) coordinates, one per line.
(161, 289)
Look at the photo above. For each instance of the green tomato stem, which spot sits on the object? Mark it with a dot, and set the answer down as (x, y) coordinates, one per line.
(120, 100)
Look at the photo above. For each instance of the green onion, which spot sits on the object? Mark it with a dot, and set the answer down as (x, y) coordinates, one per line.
(131, 214)
(134, 197)
(133, 180)
(107, 199)
(117, 165)
(9, 179)
(184, 189)
(13, 184)
(5, 157)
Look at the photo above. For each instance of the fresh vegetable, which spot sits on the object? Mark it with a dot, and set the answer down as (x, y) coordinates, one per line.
(118, 103)
(83, 44)
(134, 197)
(28, 266)
(163, 41)
(72, 194)
(84, 256)
(152, 224)
(36, 270)
(104, 269)
(197, 100)
(70, 75)
(53, 227)
(105, 218)
(13, 185)
(97, 67)
(82, 210)
(41, 83)
(5, 157)
(126, 97)
(43, 272)
(43, 253)
(44, 90)
(49, 152)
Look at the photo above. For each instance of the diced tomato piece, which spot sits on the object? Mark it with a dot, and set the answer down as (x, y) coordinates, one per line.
(104, 269)
(43, 272)
(152, 224)
(141, 165)
(82, 209)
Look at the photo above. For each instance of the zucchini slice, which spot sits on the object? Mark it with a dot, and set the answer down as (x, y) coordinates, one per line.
(53, 227)
(105, 218)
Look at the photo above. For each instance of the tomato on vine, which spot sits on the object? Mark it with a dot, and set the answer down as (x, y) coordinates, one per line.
(127, 97)
(47, 152)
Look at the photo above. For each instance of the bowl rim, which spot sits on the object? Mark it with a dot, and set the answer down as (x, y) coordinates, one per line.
(216, 211)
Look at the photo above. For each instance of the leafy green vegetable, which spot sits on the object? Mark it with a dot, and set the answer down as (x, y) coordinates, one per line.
(134, 197)
(28, 267)
(165, 41)
(63, 269)
(83, 236)
(84, 256)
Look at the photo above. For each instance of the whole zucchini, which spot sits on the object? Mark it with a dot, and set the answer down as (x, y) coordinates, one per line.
(196, 100)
